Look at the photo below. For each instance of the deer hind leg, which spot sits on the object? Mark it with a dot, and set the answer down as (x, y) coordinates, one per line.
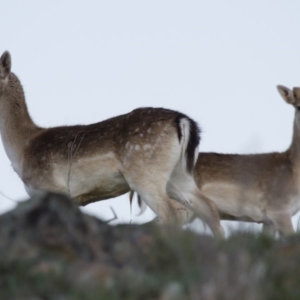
(156, 197)
(182, 188)
(151, 186)
(282, 222)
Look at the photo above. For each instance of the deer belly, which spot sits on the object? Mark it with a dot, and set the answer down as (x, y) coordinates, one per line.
(96, 178)
(235, 200)
(94, 188)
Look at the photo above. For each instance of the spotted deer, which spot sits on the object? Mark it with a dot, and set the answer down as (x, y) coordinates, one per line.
(151, 151)
(262, 188)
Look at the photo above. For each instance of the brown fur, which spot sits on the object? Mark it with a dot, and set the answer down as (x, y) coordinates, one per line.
(264, 172)
(84, 140)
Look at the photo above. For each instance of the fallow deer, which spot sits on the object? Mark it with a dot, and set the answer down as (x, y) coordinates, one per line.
(151, 151)
(262, 188)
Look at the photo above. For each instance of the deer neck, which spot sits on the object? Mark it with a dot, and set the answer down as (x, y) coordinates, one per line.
(16, 125)
(294, 149)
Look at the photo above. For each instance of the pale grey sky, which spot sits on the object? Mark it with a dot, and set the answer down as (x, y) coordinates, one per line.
(217, 61)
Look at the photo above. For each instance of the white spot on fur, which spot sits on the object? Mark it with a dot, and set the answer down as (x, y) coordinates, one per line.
(147, 147)
(127, 145)
(137, 130)
(137, 147)
(149, 130)
(141, 135)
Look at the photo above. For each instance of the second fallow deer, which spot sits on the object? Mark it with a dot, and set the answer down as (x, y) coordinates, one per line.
(263, 188)
(151, 151)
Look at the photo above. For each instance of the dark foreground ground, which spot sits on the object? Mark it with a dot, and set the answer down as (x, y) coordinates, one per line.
(49, 249)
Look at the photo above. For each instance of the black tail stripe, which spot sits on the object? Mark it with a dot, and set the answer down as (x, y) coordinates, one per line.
(194, 140)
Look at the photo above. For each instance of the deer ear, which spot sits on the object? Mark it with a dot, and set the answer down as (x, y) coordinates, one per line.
(5, 64)
(286, 94)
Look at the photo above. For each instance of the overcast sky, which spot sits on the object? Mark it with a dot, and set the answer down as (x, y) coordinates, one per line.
(217, 61)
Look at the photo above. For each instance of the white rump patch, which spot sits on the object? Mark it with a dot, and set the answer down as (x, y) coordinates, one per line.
(185, 131)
